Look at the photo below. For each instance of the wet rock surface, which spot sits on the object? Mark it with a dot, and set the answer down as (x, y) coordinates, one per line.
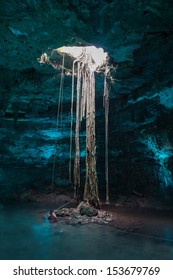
(111, 217)
(83, 214)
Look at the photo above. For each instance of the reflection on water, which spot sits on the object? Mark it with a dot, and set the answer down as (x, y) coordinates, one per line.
(25, 233)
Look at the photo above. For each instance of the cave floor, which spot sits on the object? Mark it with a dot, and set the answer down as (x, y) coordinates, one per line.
(135, 234)
(150, 223)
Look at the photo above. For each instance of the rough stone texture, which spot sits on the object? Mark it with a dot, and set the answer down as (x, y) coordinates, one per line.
(83, 214)
(85, 209)
(138, 36)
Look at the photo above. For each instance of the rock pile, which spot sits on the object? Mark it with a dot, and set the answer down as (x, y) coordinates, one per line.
(83, 214)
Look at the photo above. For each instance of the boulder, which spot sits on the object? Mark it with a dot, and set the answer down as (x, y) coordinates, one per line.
(86, 209)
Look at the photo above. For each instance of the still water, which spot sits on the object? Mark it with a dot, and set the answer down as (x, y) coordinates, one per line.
(25, 233)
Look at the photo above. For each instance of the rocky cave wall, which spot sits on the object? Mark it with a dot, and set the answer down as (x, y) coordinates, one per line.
(138, 36)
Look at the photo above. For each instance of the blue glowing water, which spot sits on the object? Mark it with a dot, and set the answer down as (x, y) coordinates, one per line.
(25, 233)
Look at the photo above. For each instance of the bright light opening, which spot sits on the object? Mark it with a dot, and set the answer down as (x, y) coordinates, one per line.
(97, 55)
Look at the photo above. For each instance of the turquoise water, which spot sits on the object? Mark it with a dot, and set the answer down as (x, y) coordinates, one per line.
(25, 233)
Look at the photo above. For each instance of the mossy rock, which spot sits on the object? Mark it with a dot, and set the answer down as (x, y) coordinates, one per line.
(88, 210)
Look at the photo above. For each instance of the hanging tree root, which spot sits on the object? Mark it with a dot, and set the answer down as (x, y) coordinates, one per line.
(85, 71)
(92, 201)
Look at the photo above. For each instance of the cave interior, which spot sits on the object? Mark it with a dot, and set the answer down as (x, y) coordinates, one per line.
(140, 135)
(126, 147)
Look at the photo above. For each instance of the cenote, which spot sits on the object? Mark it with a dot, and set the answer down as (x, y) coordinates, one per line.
(27, 234)
(86, 110)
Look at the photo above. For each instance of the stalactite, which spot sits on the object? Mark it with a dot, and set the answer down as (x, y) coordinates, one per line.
(106, 106)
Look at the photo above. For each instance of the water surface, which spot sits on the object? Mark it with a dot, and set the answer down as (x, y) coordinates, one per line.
(25, 233)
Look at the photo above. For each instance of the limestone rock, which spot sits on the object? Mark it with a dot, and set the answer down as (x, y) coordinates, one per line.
(87, 210)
